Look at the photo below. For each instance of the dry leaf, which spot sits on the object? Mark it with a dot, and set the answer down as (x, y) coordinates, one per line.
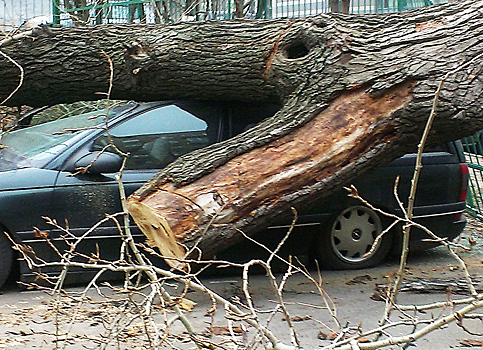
(332, 335)
(224, 330)
(322, 335)
(471, 343)
(378, 296)
(186, 304)
(298, 318)
(360, 280)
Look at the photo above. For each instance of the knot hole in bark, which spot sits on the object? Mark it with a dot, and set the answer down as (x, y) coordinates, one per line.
(137, 50)
(296, 50)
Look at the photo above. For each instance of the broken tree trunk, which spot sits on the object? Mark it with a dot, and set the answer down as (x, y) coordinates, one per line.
(356, 92)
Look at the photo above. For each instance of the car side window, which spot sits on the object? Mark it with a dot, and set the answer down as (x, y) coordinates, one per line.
(157, 137)
(246, 115)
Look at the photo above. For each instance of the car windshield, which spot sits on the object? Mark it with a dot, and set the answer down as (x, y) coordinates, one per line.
(34, 145)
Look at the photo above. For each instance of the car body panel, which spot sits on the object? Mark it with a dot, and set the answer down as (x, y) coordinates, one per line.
(25, 193)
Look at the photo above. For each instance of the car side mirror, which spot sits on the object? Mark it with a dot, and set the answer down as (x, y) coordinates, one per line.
(100, 162)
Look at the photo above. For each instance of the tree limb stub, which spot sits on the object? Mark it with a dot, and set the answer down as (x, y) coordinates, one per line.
(355, 93)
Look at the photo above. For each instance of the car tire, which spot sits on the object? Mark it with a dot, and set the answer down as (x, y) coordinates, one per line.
(349, 235)
(6, 257)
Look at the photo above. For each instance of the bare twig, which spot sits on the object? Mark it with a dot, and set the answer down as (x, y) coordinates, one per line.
(20, 68)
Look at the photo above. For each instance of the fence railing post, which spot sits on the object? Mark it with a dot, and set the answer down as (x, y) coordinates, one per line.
(56, 12)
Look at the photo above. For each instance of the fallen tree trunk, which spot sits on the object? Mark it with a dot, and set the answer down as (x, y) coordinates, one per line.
(356, 92)
(253, 188)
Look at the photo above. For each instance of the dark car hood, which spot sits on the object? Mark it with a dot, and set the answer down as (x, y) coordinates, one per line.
(26, 179)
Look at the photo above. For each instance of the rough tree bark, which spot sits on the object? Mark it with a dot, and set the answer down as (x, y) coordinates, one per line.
(356, 92)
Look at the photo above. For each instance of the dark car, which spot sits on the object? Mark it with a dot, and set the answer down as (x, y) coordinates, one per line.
(38, 179)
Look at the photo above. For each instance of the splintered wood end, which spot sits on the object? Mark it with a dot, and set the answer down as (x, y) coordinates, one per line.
(158, 233)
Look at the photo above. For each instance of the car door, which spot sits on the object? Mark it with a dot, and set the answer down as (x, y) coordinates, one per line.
(153, 139)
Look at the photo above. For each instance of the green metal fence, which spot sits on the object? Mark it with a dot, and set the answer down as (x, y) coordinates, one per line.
(69, 12)
(473, 146)
(302, 8)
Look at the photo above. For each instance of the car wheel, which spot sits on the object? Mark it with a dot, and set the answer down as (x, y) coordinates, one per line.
(6, 260)
(348, 238)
